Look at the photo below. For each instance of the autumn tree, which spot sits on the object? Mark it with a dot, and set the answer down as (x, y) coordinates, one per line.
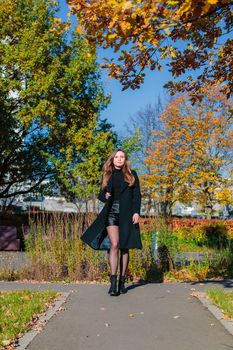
(51, 95)
(191, 156)
(145, 33)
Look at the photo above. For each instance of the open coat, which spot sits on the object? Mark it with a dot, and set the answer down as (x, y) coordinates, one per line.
(130, 203)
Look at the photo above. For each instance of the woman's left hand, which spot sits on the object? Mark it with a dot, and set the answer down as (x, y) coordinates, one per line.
(136, 218)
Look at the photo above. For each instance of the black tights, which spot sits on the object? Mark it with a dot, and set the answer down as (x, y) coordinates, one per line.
(113, 233)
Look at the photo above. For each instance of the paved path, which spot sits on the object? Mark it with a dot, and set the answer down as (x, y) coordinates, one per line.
(152, 316)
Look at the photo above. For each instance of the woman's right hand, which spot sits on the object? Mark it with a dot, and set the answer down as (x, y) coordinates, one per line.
(107, 195)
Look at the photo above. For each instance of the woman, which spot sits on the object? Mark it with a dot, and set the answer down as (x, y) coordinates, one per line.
(116, 227)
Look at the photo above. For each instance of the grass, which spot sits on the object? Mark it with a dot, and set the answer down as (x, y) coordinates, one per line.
(222, 299)
(18, 311)
(192, 246)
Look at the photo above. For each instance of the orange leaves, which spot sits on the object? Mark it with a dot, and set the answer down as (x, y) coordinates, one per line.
(191, 156)
(79, 30)
(147, 25)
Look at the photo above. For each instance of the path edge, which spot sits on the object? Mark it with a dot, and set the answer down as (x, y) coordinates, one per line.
(216, 312)
(27, 338)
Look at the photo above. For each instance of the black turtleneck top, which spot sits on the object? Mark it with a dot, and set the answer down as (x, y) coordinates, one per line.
(117, 178)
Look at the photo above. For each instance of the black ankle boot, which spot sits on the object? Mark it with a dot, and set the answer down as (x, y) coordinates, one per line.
(113, 288)
(121, 285)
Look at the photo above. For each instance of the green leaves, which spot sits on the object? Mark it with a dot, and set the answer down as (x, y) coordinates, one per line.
(94, 145)
(51, 93)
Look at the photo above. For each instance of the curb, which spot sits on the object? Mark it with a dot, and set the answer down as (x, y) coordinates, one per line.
(216, 312)
(26, 339)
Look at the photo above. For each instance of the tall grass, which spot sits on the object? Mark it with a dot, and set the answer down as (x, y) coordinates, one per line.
(56, 252)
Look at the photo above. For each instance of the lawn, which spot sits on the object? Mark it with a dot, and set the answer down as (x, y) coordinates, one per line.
(222, 299)
(19, 310)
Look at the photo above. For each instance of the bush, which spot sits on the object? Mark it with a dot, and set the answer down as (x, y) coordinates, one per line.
(215, 264)
(216, 235)
(213, 235)
(216, 260)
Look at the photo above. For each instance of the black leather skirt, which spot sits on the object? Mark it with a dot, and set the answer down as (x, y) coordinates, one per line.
(113, 215)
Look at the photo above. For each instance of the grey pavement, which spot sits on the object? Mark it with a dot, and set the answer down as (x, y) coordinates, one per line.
(161, 316)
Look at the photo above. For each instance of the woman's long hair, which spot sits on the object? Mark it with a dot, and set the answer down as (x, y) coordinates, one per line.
(109, 166)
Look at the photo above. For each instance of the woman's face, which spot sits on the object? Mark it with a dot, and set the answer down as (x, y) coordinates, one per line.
(119, 159)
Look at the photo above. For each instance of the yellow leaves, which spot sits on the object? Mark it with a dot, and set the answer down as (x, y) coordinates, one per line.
(79, 29)
(125, 26)
(173, 2)
(225, 196)
(187, 154)
(112, 36)
(185, 7)
(213, 2)
(154, 41)
(58, 26)
(146, 23)
(188, 7)
(127, 6)
(57, 20)
(6, 6)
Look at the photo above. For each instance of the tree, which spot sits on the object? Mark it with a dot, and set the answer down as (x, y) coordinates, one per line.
(81, 180)
(147, 32)
(144, 122)
(191, 156)
(21, 159)
(50, 93)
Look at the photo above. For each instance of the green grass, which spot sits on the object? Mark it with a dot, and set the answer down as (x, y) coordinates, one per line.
(18, 309)
(184, 246)
(224, 300)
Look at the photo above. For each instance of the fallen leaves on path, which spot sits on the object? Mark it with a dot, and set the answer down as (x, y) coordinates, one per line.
(39, 326)
(61, 308)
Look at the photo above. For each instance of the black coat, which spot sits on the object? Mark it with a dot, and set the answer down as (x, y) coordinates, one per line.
(129, 234)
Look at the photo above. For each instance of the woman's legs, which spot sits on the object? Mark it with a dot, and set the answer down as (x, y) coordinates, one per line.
(113, 233)
(124, 261)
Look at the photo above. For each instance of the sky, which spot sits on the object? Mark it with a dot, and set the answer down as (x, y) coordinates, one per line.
(127, 103)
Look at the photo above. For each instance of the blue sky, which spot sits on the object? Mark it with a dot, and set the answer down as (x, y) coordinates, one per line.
(128, 102)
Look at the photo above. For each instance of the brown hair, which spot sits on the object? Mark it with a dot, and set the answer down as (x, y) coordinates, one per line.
(109, 166)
